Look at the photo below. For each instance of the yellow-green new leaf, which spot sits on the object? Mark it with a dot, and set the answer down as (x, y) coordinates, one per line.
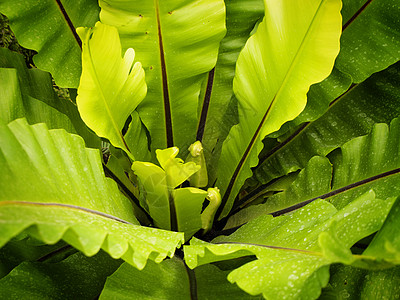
(294, 47)
(111, 87)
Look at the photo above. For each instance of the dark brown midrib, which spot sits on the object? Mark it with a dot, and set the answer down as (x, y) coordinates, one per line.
(167, 103)
(192, 282)
(243, 159)
(69, 22)
(338, 98)
(206, 105)
(337, 191)
(362, 8)
(301, 128)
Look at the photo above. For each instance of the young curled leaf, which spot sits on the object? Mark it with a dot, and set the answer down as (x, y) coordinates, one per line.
(177, 172)
(196, 155)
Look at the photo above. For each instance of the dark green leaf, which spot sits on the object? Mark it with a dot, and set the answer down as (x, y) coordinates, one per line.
(77, 277)
(48, 27)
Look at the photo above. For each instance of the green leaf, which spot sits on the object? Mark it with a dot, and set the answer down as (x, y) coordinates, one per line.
(369, 41)
(68, 279)
(241, 17)
(111, 87)
(293, 251)
(386, 244)
(88, 231)
(364, 163)
(136, 138)
(273, 74)
(59, 169)
(177, 44)
(351, 283)
(49, 28)
(313, 181)
(352, 114)
(367, 162)
(360, 55)
(36, 93)
(170, 208)
(319, 97)
(156, 192)
(69, 198)
(176, 171)
(170, 280)
(15, 105)
(19, 250)
(188, 205)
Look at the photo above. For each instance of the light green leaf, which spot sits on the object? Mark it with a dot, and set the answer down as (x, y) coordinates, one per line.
(176, 171)
(111, 87)
(170, 280)
(188, 205)
(293, 251)
(319, 97)
(177, 43)
(88, 231)
(156, 192)
(241, 17)
(136, 139)
(196, 155)
(364, 163)
(289, 52)
(69, 198)
(180, 208)
(43, 26)
(63, 280)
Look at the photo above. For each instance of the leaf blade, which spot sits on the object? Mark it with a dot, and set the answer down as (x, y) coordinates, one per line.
(110, 88)
(258, 118)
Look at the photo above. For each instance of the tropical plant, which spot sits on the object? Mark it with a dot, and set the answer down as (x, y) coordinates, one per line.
(284, 114)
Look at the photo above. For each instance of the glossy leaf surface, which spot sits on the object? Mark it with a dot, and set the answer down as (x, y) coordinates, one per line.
(241, 18)
(111, 87)
(177, 43)
(49, 28)
(293, 251)
(364, 163)
(287, 54)
(369, 42)
(352, 114)
(83, 208)
(166, 204)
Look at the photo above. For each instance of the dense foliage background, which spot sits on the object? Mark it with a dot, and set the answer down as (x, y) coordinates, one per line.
(310, 202)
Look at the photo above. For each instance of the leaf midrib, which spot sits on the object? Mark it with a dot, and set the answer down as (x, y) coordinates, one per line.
(345, 26)
(68, 206)
(332, 193)
(102, 96)
(69, 23)
(262, 123)
(164, 77)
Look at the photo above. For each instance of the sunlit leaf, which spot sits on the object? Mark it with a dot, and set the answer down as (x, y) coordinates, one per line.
(288, 53)
(111, 87)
